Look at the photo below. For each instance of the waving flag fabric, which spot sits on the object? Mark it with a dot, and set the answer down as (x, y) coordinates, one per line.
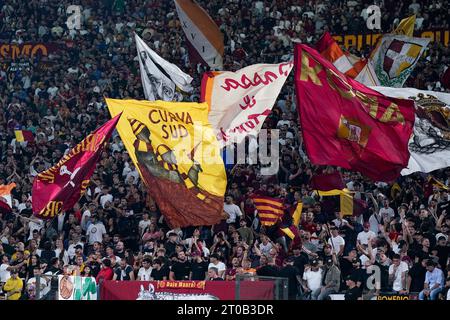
(58, 189)
(347, 124)
(178, 158)
(270, 210)
(161, 79)
(240, 101)
(203, 35)
(430, 144)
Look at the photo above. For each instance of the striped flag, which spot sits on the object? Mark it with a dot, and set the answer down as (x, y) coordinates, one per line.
(205, 40)
(24, 135)
(292, 230)
(352, 66)
(270, 210)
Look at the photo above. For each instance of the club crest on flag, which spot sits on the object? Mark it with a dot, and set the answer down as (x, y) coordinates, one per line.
(353, 131)
(400, 56)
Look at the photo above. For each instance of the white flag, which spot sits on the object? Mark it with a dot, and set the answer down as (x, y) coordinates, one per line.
(240, 101)
(430, 144)
(160, 78)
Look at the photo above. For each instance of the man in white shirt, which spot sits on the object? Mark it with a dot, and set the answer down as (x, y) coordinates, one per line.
(144, 223)
(35, 224)
(231, 209)
(336, 241)
(105, 197)
(387, 213)
(145, 271)
(312, 277)
(365, 235)
(95, 231)
(397, 273)
(216, 263)
(4, 269)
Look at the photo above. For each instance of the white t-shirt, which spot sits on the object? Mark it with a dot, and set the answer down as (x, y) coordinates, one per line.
(403, 267)
(220, 266)
(84, 219)
(313, 279)
(143, 224)
(364, 237)
(233, 211)
(145, 274)
(373, 224)
(337, 243)
(4, 274)
(105, 198)
(95, 232)
(387, 213)
(44, 282)
(35, 226)
(265, 249)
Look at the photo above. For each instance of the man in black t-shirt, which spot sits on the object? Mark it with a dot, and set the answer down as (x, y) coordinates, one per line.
(181, 269)
(416, 276)
(353, 292)
(290, 272)
(160, 270)
(199, 268)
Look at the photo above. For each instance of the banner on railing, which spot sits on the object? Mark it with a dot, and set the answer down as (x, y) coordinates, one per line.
(370, 39)
(77, 288)
(185, 290)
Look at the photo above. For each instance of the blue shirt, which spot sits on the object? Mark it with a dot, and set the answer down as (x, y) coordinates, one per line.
(437, 276)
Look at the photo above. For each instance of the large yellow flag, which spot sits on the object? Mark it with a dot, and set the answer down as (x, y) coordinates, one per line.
(178, 156)
(406, 26)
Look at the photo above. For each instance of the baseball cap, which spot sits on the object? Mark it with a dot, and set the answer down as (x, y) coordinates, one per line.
(314, 262)
(173, 234)
(352, 277)
(78, 246)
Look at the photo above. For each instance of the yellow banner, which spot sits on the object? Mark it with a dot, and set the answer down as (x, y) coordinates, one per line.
(174, 144)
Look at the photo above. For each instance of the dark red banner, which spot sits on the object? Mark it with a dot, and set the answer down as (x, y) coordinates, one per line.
(27, 49)
(185, 290)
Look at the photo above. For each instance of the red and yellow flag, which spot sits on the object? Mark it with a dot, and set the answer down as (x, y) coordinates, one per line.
(270, 210)
(60, 187)
(24, 135)
(347, 124)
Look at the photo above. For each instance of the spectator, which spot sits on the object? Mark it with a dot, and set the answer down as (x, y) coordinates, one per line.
(13, 286)
(124, 272)
(331, 283)
(213, 275)
(434, 282)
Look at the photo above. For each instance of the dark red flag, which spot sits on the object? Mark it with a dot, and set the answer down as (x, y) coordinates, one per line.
(327, 181)
(60, 187)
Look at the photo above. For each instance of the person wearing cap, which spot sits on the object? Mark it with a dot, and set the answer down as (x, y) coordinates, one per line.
(353, 292)
(13, 286)
(331, 281)
(312, 278)
(434, 282)
(366, 235)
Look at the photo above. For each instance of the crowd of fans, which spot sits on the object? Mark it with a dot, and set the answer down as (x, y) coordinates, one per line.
(117, 232)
